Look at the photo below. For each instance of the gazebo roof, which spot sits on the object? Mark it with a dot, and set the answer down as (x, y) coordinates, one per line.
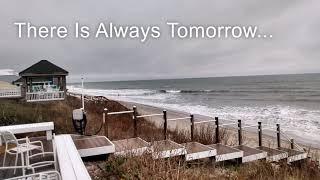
(43, 67)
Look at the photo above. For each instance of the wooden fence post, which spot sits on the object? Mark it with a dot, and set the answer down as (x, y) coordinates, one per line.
(260, 134)
(165, 125)
(239, 132)
(217, 130)
(192, 127)
(105, 122)
(135, 121)
(292, 143)
(278, 136)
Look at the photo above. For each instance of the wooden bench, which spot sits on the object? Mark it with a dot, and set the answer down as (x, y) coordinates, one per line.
(29, 128)
(70, 163)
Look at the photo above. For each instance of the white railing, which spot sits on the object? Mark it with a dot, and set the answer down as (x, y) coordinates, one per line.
(44, 96)
(8, 93)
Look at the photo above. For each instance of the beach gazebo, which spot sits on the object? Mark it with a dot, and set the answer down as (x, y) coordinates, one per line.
(43, 81)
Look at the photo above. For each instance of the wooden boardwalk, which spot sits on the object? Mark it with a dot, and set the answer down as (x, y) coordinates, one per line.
(294, 155)
(88, 146)
(167, 149)
(251, 154)
(225, 153)
(196, 151)
(130, 147)
(274, 155)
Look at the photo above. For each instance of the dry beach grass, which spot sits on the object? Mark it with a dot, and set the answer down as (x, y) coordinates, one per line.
(144, 167)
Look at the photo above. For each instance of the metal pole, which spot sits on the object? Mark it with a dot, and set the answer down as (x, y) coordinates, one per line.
(135, 119)
(165, 125)
(278, 136)
(82, 93)
(292, 143)
(239, 132)
(105, 123)
(192, 127)
(217, 130)
(260, 134)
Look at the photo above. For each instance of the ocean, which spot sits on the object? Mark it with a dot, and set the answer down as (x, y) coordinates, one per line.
(291, 100)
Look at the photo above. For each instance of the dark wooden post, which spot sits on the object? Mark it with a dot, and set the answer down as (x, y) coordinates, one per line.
(192, 127)
(260, 134)
(278, 136)
(135, 121)
(239, 132)
(165, 125)
(217, 130)
(105, 122)
(292, 143)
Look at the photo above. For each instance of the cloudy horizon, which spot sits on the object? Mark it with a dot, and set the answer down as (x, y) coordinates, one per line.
(293, 49)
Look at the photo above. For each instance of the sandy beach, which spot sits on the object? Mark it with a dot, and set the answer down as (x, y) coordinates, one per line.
(250, 135)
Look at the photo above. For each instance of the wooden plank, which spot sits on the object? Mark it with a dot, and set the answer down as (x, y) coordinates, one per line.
(92, 146)
(70, 162)
(294, 155)
(166, 149)
(225, 153)
(273, 155)
(251, 154)
(28, 128)
(130, 147)
(196, 150)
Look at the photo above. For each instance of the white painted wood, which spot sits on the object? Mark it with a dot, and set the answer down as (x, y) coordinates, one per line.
(8, 93)
(201, 155)
(130, 151)
(70, 163)
(169, 153)
(254, 157)
(297, 157)
(97, 150)
(28, 128)
(44, 96)
(278, 157)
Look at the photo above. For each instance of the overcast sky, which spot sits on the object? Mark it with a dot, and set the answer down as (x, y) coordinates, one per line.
(294, 48)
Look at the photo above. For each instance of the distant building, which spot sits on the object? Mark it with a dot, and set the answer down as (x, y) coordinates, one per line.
(43, 81)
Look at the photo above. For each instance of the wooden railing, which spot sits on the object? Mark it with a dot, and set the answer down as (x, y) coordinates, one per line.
(9, 93)
(44, 96)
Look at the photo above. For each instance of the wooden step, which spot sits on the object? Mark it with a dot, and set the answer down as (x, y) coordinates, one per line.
(225, 152)
(197, 150)
(294, 155)
(131, 147)
(88, 146)
(274, 155)
(167, 149)
(251, 154)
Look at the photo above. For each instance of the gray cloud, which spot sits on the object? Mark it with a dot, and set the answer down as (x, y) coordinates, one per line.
(294, 47)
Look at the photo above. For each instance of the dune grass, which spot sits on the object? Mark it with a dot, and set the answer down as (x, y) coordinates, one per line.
(144, 167)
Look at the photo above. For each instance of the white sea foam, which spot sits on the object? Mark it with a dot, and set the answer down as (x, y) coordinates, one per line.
(301, 124)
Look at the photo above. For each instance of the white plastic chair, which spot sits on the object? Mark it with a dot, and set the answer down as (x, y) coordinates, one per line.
(40, 164)
(20, 146)
(47, 175)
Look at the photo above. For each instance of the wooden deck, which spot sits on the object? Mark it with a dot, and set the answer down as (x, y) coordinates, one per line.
(166, 149)
(294, 155)
(130, 147)
(274, 155)
(196, 151)
(225, 153)
(251, 154)
(47, 145)
(93, 145)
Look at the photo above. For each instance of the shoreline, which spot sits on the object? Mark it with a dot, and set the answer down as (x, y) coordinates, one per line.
(251, 135)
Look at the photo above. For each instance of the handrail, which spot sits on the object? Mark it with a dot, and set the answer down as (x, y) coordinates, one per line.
(120, 112)
(228, 124)
(149, 115)
(208, 121)
(249, 126)
(289, 139)
(175, 119)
